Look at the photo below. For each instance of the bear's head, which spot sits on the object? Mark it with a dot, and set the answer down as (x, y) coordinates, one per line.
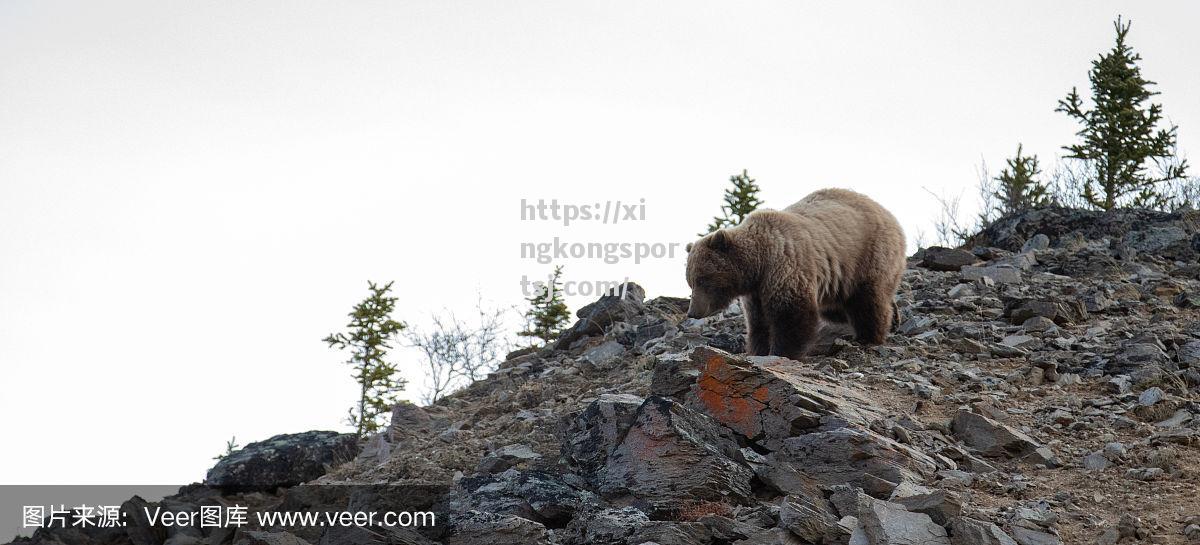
(714, 272)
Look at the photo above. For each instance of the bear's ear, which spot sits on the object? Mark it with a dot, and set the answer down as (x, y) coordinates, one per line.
(688, 248)
(720, 240)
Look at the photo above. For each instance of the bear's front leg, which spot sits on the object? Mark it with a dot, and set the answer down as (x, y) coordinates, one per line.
(793, 329)
(758, 328)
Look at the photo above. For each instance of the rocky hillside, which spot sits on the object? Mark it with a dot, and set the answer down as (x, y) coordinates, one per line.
(1040, 388)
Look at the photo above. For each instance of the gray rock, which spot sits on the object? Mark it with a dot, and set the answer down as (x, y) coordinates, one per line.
(1023, 261)
(769, 400)
(938, 258)
(1000, 275)
(917, 325)
(671, 455)
(675, 373)
(609, 526)
(601, 355)
(1150, 396)
(1189, 354)
(1119, 384)
(992, 438)
(1020, 341)
(474, 527)
(885, 522)
(1095, 461)
(251, 537)
(1155, 239)
(1037, 242)
(595, 318)
(1145, 473)
(671, 533)
(408, 419)
(847, 455)
(1065, 311)
(773, 536)
(1187, 299)
(967, 531)
(727, 530)
(1038, 323)
(808, 515)
(506, 457)
(960, 291)
(591, 435)
(534, 495)
(1177, 420)
(814, 428)
(1029, 536)
(1114, 451)
(942, 506)
(376, 452)
(188, 539)
(282, 461)
(374, 535)
(1142, 353)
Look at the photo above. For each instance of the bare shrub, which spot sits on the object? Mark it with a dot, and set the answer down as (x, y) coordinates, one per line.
(456, 352)
(948, 228)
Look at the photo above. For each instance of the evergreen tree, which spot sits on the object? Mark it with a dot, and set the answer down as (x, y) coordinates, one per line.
(548, 313)
(740, 201)
(368, 337)
(230, 446)
(1118, 134)
(1017, 187)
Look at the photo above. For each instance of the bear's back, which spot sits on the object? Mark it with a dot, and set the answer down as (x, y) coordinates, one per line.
(848, 211)
(847, 234)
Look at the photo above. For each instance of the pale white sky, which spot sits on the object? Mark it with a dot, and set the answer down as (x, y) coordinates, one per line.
(193, 194)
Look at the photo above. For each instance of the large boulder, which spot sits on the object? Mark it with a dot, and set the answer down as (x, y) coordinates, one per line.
(810, 427)
(877, 522)
(672, 455)
(589, 436)
(849, 455)
(282, 461)
(533, 495)
(946, 259)
(595, 318)
(771, 399)
(809, 516)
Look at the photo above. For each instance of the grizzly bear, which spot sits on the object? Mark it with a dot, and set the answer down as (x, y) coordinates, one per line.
(835, 254)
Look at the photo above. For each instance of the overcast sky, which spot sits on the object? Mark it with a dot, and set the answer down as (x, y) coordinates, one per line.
(193, 194)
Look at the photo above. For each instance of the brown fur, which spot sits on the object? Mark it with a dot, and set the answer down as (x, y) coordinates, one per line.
(836, 254)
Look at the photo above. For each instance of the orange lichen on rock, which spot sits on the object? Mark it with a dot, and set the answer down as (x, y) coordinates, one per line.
(718, 391)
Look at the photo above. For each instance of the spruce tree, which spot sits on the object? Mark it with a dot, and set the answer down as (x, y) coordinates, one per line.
(230, 446)
(368, 337)
(548, 313)
(740, 201)
(1017, 187)
(1118, 134)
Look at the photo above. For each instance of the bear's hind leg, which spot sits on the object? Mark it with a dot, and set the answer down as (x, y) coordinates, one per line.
(870, 311)
(758, 329)
(793, 330)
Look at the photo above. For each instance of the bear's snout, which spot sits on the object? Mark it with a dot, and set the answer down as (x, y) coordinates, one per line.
(700, 308)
